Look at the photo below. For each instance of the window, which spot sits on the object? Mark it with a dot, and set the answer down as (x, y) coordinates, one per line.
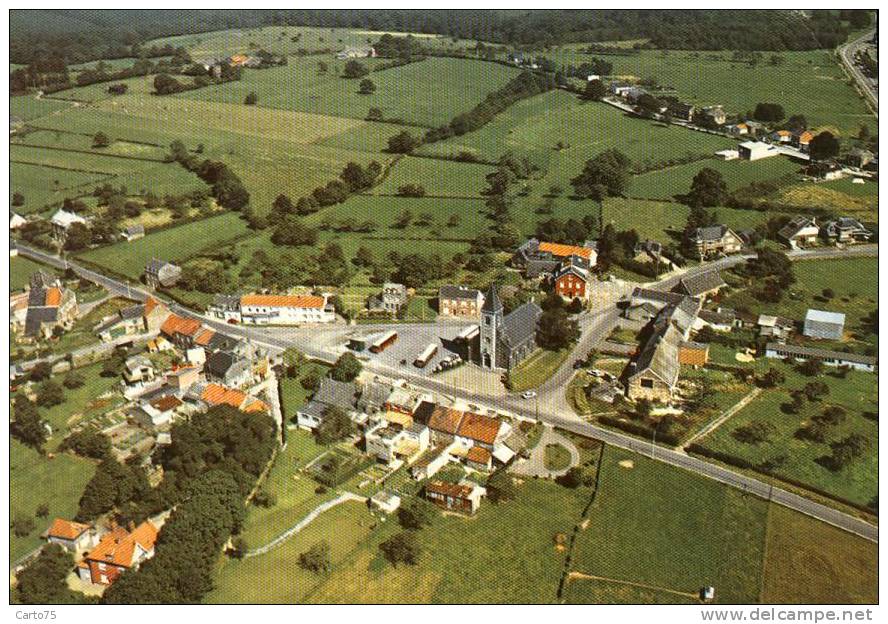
(647, 383)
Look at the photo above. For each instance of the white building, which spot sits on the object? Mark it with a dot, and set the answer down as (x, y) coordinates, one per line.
(823, 324)
(392, 443)
(756, 150)
(386, 501)
(285, 309)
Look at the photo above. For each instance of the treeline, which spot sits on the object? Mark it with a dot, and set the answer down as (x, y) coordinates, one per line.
(225, 185)
(164, 84)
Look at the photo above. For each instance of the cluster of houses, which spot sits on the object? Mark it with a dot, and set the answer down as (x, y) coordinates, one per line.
(266, 309)
(565, 268)
(46, 307)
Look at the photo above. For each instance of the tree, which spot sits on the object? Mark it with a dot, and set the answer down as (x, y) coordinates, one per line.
(42, 510)
(50, 394)
(77, 237)
(824, 146)
(411, 190)
(556, 330)
(768, 112)
(501, 488)
(374, 114)
(18, 199)
(164, 84)
(251, 98)
(22, 525)
(322, 67)
(367, 87)
(772, 378)
(293, 232)
(88, 443)
(335, 426)
(28, 425)
(811, 367)
(771, 263)
(239, 548)
(43, 580)
(401, 548)
(317, 558)
(797, 123)
(40, 371)
(415, 515)
(707, 189)
(649, 105)
(101, 140)
(403, 143)
(815, 390)
(346, 368)
(73, 380)
(354, 69)
(594, 91)
(755, 432)
(607, 172)
(572, 479)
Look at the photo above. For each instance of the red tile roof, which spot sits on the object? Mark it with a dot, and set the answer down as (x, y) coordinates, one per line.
(445, 419)
(53, 296)
(562, 251)
(117, 547)
(203, 339)
(479, 455)
(166, 403)
(177, 325)
(449, 489)
(479, 428)
(283, 301)
(66, 529)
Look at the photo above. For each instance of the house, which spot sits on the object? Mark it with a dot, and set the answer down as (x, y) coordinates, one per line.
(722, 321)
(50, 305)
(756, 150)
(644, 311)
(228, 368)
(776, 327)
(781, 136)
(845, 230)
(572, 282)
(62, 220)
(373, 397)
(330, 393)
(182, 378)
(479, 430)
(18, 310)
(829, 358)
(180, 331)
(464, 497)
(285, 309)
(681, 110)
(738, 129)
(160, 273)
(459, 301)
(430, 462)
(715, 114)
(133, 232)
(390, 300)
(74, 537)
(386, 501)
(401, 401)
(442, 421)
(137, 319)
(479, 458)
(391, 443)
(859, 158)
(159, 412)
(800, 232)
(693, 353)
(505, 340)
(654, 374)
(802, 140)
(119, 550)
(16, 221)
(715, 240)
(540, 258)
(212, 394)
(823, 324)
(356, 52)
(701, 284)
(138, 370)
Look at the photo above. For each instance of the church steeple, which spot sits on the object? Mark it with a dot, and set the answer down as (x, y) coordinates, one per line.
(492, 304)
(491, 325)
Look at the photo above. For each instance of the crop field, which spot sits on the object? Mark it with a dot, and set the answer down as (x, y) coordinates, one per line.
(174, 244)
(801, 460)
(810, 83)
(429, 92)
(698, 531)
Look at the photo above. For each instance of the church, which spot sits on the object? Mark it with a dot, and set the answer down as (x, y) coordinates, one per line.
(505, 340)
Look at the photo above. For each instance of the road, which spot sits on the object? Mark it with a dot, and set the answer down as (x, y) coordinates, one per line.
(846, 54)
(550, 405)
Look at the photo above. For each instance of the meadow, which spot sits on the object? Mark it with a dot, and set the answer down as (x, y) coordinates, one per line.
(438, 177)
(44, 186)
(30, 107)
(20, 270)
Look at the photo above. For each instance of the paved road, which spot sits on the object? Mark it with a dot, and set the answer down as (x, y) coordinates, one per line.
(535, 466)
(846, 54)
(553, 412)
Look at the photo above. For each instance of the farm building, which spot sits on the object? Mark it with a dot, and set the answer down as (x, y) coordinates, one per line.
(701, 284)
(50, 305)
(62, 220)
(830, 358)
(756, 150)
(776, 327)
(540, 258)
(693, 353)
(823, 324)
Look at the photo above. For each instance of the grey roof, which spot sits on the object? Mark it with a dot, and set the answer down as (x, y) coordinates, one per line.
(795, 225)
(452, 291)
(42, 279)
(492, 301)
(717, 318)
(137, 361)
(226, 302)
(536, 267)
(138, 228)
(659, 356)
(695, 285)
(374, 395)
(822, 354)
(521, 323)
(155, 265)
(657, 295)
(823, 316)
(710, 233)
(314, 408)
(219, 363)
(37, 316)
(339, 393)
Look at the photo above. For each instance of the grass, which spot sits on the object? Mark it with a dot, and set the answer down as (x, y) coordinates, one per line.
(794, 458)
(556, 457)
(810, 562)
(698, 532)
(29, 107)
(35, 479)
(173, 244)
(293, 395)
(20, 270)
(536, 369)
(860, 201)
(439, 177)
(43, 186)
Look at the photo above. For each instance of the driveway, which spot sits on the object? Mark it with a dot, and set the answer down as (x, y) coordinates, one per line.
(536, 465)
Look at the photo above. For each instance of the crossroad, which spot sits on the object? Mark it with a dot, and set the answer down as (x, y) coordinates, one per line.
(550, 405)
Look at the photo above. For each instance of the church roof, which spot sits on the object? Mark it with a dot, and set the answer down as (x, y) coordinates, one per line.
(492, 303)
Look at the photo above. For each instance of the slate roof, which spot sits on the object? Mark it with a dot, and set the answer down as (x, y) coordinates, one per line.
(521, 323)
(657, 295)
(339, 393)
(717, 318)
(659, 357)
(695, 285)
(492, 302)
(796, 225)
(710, 233)
(219, 363)
(452, 291)
(822, 354)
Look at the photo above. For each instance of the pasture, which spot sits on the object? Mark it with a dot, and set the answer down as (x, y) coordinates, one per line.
(30, 107)
(439, 178)
(44, 186)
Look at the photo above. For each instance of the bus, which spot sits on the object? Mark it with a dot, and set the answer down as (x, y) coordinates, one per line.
(427, 354)
(383, 342)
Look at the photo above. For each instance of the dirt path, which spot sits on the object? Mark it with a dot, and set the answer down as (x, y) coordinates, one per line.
(718, 422)
(591, 577)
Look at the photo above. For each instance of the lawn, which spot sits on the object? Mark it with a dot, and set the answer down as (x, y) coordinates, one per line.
(810, 562)
(536, 369)
(788, 456)
(664, 527)
(505, 554)
(35, 479)
(174, 244)
(556, 457)
(20, 270)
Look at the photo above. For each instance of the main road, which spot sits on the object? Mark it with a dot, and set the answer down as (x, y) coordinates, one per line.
(846, 54)
(550, 406)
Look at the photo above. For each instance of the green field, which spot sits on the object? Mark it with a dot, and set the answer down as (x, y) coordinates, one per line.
(173, 244)
(667, 528)
(794, 458)
(43, 186)
(536, 369)
(30, 107)
(35, 479)
(20, 270)
(439, 178)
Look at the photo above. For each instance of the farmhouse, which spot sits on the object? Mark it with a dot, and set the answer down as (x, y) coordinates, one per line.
(390, 300)
(845, 230)
(505, 340)
(756, 150)
(480, 430)
(539, 258)
(802, 140)
(462, 497)
(143, 317)
(285, 309)
(479, 458)
(654, 374)
(206, 395)
(118, 551)
(62, 220)
(442, 421)
(859, 158)
(701, 284)
(74, 537)
(781, 136)
(228, 368)
(800, 232)
(716, 239)
(738, 129)
(722, 320)
(830, 358)
(50, 305)
(160, 273)
(459, 301)
(823, 324)
(776, 327)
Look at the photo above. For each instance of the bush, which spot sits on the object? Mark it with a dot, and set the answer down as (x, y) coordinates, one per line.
(73, 380)
(317, 558)
(22, 525)
(401, 548)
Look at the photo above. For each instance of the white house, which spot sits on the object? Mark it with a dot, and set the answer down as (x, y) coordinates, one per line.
(63, 219)
(285, 309)
(756, 150)
(392, 443)
(74, 537)
(386, 501)
(16, 221)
